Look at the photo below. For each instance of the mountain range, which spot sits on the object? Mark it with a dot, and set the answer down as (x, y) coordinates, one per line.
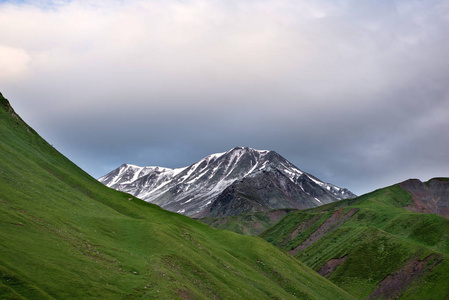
(241, 180)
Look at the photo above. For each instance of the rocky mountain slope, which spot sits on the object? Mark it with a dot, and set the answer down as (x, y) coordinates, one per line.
(64, 235)
(429, 197)
(239, 180)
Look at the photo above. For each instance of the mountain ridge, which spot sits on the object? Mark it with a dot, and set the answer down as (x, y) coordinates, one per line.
(192, 190)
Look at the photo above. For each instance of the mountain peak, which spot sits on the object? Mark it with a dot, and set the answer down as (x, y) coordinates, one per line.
(193, 189)
(7, 106)
(4, 103)
(248, 149)
(127, 165)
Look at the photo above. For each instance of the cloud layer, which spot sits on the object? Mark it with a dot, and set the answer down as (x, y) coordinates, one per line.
(355, 92)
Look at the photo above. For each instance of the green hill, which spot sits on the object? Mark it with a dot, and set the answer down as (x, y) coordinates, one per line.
(250, 224)
(374, 246)
(65, 235)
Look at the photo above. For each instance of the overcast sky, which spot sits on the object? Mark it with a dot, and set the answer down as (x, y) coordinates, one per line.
(354, 92)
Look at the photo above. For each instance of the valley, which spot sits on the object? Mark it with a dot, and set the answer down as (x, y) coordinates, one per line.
(63, 234)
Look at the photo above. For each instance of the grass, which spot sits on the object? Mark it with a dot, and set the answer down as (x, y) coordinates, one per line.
(248, 224)
(65, 235)
(379, 240)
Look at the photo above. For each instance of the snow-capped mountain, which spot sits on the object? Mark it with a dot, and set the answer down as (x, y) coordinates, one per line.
(194, 189)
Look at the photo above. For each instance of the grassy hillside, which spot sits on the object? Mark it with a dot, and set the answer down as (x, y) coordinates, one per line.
(249, 224)
(371, 246)
(65, 235)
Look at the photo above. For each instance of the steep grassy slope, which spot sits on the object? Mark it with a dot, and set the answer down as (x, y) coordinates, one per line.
(371, 246)
(65, 235)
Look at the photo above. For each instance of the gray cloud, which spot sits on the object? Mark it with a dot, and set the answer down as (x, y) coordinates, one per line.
(353, 92)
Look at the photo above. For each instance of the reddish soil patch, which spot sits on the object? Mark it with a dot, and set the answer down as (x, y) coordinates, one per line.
(255, 225)
(395, 284)
(17, 224)
(428, 198)
(302, 227)
(331, 265)
(276, 215)
(184, 294)
(254, 228)
(332, 223)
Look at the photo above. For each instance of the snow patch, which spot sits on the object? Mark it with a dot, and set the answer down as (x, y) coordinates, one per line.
(320, 183)
(318, 200)
(216, 155)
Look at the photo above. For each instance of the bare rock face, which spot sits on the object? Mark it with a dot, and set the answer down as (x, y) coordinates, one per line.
(429, 197)
(267, 190)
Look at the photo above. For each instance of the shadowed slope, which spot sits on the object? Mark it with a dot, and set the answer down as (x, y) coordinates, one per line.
(250, 224)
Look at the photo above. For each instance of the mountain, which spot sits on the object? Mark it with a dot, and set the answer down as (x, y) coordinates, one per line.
(391, 243)
(64, 235)
(237, 181)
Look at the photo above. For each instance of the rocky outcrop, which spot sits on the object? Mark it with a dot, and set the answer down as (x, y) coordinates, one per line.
(267, 190)
(429, 197)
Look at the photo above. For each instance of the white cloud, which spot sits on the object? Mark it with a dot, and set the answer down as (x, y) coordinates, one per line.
(340, 74)
(323, 53)
(13, 63)
(314, 50)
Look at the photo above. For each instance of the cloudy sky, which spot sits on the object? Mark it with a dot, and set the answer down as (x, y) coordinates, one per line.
(354, 92)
